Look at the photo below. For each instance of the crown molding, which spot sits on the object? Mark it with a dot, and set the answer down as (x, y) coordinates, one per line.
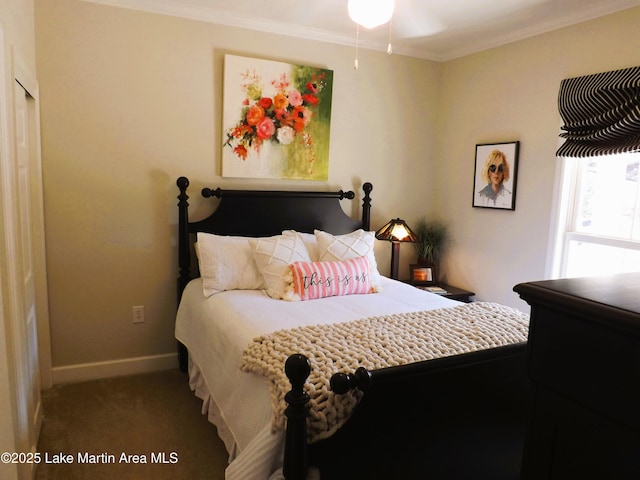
(571, 18)
(470, 45)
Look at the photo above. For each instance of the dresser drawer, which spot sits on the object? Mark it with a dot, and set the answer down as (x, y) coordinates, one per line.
(587, 362)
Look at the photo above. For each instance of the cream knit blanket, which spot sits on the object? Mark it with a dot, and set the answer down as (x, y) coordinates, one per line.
(374, 343)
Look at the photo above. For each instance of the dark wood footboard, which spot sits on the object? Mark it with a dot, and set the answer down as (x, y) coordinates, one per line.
(460, 417)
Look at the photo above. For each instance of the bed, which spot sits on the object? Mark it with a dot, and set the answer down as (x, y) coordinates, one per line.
(290, 388)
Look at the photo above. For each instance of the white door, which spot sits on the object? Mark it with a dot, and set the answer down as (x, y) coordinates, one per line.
(23, 292)
(26, 330)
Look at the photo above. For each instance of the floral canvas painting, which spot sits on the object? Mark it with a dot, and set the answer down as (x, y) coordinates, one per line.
(276, 120)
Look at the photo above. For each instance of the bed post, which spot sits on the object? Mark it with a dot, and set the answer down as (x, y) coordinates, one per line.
(297, 368)
(366, 206)
(184, 260)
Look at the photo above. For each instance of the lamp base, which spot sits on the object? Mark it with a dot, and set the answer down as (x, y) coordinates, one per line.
(395, 257)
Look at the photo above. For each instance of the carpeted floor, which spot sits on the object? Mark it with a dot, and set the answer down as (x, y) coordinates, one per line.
(154, 416)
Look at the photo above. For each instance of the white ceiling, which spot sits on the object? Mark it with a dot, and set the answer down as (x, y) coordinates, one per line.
(431, 29)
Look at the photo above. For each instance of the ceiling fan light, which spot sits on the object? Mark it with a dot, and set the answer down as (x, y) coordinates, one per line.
(370, 13)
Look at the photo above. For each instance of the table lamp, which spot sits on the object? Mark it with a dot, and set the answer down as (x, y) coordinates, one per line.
(396, 231)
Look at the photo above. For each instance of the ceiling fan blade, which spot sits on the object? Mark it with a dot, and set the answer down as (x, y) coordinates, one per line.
(414, 18)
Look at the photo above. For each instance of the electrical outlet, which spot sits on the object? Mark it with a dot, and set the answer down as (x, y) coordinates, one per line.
(138, 313)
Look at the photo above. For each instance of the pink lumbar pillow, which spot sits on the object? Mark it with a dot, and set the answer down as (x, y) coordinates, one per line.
(311, 280)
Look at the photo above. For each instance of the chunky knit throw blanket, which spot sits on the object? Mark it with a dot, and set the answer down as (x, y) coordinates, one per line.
(374, 343)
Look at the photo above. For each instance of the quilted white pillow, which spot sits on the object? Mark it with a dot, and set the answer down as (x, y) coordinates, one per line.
(310, 241)
(226, 263)
(345, 247)
(273, 255)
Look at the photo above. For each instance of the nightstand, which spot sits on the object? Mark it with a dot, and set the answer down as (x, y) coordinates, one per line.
(443, 289)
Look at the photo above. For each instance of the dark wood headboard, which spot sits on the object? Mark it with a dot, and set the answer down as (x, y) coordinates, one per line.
(262, 213)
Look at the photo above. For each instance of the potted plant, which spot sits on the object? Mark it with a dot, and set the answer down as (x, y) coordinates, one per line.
(432, 237)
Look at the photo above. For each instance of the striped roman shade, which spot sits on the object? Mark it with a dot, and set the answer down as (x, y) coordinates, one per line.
(601, 113)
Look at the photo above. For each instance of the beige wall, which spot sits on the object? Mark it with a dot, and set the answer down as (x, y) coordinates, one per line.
(130, 101)
(504, 94)
(17, 20)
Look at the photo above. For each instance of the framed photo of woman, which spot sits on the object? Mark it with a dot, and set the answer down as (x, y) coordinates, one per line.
(496, 172)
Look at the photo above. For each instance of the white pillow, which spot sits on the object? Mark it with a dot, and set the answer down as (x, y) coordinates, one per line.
(310, 241)
(345, 247)
(273, 255)
(226, 263)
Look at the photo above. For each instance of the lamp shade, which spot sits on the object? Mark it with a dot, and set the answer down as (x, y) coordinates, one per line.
(396, 230)
(370, 13)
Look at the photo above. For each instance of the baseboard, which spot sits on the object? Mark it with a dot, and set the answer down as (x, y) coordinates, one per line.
(113, 368)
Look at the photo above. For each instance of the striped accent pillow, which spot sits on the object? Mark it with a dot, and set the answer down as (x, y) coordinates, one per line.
(311, 280)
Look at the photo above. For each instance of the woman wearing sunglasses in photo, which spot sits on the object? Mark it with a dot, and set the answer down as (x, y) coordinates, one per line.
(495, 173)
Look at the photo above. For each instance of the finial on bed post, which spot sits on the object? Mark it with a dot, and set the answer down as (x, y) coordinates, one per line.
(208, 193)
(349, 195)
(366, 206)
(345, 382)
(297, 369)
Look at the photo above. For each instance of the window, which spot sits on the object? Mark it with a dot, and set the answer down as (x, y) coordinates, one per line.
(598, 202)
(599, 228)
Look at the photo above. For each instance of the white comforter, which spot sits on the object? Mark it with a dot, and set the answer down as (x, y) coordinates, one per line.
(217, 329)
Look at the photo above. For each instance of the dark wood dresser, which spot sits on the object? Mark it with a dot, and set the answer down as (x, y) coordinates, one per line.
(583, 357)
